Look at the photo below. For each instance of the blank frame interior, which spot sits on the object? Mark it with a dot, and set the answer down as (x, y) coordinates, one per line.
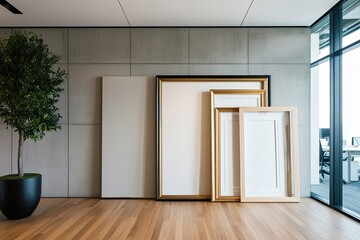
(269, 162)
(183, 132)
(225, 161)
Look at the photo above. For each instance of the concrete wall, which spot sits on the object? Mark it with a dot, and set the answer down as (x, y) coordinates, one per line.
(70, 159)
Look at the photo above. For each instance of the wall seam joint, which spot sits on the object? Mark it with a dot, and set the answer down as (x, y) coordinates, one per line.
(68, 111)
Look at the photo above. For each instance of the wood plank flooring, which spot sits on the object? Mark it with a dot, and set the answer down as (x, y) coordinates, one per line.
(84, 218)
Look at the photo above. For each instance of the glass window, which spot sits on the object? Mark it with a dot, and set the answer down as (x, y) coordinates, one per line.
(320, 119)
(351, 22)
(320, 36)
(345, 69)
(351, 130)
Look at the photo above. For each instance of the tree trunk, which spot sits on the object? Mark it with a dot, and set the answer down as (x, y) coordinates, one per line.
(20, 154)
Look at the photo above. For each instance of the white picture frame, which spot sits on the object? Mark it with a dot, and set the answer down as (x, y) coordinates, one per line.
(269, 158)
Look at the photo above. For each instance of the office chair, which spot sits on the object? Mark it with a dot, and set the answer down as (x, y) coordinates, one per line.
(324, 161)
(324, 133)
(355, 141)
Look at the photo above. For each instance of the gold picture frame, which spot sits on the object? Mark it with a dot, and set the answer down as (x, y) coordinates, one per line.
(183, 150)
(228, 100)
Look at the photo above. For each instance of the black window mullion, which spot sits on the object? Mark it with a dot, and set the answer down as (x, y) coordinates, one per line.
(336, 191)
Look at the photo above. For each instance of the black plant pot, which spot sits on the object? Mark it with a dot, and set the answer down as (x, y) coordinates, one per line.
(20, 197)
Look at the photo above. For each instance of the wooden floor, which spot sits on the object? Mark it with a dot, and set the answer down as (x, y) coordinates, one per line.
(83, 218)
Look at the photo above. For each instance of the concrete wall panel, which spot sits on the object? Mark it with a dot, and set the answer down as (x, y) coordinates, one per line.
(159, 69)
(219, 69)
(85, 160)
(85, 90)
(51, 151)
(218, 45)
(99, 45)
(5, 32)
(46, 156)
(159, 45)
(55, 181)
(279, 45)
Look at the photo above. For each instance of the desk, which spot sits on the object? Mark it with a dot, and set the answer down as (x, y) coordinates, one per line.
(349, 151)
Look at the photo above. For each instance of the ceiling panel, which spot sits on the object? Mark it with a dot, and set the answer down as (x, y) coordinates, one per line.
(97, 13)
(286, 12)
(185, 12)
(64, 13)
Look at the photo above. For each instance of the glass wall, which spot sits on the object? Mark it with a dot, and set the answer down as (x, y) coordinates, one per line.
(335, 108)
(351, 129)
(350, 22)
(320, 36)
(320, 110)
(320, 84)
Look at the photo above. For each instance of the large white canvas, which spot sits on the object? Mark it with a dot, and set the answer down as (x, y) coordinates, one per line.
(128, 137)
(184, 157)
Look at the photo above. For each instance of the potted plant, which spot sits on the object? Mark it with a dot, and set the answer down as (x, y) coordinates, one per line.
(29, 90)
